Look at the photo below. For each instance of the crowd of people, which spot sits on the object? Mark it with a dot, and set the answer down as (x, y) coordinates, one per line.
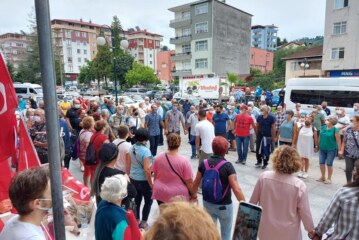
(123, 171)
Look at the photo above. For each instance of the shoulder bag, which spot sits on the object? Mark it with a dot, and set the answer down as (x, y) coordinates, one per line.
(169, 163)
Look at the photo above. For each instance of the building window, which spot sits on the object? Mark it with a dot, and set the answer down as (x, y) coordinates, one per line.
(84, 34)
(201, 9)
(337, 53)
(71, 68)
(164, 65)
(150, 55)
(69, 59)
(293, 66)
(69, 51)
(186, 15)
(340, 4)
(78, 51)
(68, 41)
(68, 34)
(77, 33)
(94, 36)
(202, 27)
(186, 32)
(78, 43)
(202, 46)
(339, 28)
(202, 63)
(85, 43)
(186, 65)
(79, 60)
(85, 51)
(151, 62)
(186, 48)
(157, 43)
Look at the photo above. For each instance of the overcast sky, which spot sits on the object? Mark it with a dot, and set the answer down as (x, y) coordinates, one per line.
(295, 19)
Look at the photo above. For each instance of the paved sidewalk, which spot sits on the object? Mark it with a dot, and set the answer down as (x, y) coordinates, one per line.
(320, 194)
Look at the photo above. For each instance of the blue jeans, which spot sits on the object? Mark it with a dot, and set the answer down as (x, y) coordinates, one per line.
(242, 147)
(327, 157)
(193, 139)
(154, 141)
(224, 213)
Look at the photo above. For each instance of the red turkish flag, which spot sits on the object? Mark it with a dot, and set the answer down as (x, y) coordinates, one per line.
(27, 155)
(8, 105)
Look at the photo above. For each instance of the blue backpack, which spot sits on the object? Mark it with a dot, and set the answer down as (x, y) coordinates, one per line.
(211, 183)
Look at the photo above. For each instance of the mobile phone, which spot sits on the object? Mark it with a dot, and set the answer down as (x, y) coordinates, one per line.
(247, 222)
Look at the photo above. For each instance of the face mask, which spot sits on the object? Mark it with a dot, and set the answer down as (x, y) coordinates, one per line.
(36, 119)
(31, 118)
(192, 111)
(218, 112)
(307, 123)
(174, 109)
(355, 108)
(47, 209)
(326, 122)
(77, 106)
(302, 119)
(120, 112)
(338, 112)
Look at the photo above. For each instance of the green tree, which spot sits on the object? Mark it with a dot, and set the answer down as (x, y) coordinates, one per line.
(140, 74)
(11, 69)
(103, 64)
(87, 73)
(164, 48)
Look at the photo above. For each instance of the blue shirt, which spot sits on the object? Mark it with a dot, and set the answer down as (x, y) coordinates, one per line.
(258, 92)
(22, 105)
(142, 152)
(153, 121)
(186, 107)
(239, 95)
(66, 136)
(265, 125)
(220, 122)
(269, 95)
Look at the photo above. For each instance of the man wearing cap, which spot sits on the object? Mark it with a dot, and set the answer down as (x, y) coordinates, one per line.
(242, 125)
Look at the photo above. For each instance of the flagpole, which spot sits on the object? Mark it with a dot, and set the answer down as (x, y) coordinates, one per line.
(51, 112)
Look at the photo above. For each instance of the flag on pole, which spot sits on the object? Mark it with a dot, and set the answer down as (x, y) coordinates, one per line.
(8, 105)
(27, 155)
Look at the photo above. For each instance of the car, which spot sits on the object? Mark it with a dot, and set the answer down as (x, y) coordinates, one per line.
(136, 91)
(159, 94)
(96, 92)
(137, 98)
(151, 94)
(128, 101)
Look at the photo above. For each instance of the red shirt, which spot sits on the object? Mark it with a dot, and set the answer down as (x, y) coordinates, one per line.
(97, 140)
(243, 125)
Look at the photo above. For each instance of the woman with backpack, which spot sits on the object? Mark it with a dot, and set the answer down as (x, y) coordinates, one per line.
(329, 143)
(172, 173)
(350, 146)
(288, 130)
(306, 142)
(283, 198)
(217, 198)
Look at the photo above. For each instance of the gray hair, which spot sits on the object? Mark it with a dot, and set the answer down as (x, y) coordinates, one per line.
(114, 188)
(333, 119)
(104, 113)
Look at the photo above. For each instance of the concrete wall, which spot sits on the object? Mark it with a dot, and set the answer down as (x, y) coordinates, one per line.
(201, 55)
(298, 72)
(165, 65)
(348, 40)
(231, 39)
(206, 17)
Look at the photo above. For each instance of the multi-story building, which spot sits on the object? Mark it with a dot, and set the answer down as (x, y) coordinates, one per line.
(341, 38)
(144, 47)
(13, 47)
(264, 37)
(211, 39)
(74, 43)
(165, 66)
(261, 59)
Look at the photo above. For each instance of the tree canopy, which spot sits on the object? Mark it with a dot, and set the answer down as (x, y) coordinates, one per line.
(140, 74)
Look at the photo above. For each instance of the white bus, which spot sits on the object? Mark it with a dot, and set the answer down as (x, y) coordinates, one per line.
(309, 92)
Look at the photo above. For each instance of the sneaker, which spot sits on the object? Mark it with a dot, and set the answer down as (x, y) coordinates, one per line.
(82, 168)
(238, 161)
(328, 181)
(199, 191)
(300, 174)
(258, 165)
(243, 162)
(193, 157)
(264, 166)
(321, 179)
(232, 149)
(305, 175)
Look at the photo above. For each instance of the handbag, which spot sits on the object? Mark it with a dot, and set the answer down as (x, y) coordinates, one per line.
(169, 163)
(355, 140)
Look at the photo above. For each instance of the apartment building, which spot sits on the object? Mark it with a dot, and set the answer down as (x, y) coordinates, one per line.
(264, 37)
(211, 39)
(144, 47)
(341, 38)
(13, 47)
(261, 59)
(165, 66)
(74, 42)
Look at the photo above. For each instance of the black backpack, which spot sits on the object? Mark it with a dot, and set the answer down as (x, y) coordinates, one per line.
(91, 158)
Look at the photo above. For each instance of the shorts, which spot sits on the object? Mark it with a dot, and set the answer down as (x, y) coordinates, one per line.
(327, 157)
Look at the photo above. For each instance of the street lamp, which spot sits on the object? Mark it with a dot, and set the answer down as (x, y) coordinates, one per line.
(101, 41)
(304, 65)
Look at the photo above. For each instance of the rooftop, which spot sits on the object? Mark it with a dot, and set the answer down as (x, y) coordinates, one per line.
(309, 53)
(263, 26)
(79, 22)
(143, 32)
(293, 43)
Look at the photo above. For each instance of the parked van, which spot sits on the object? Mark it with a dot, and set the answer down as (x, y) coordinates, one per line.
(27, 89)
(309, 92)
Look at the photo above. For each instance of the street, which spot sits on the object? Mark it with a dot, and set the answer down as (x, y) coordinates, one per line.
(320, 194)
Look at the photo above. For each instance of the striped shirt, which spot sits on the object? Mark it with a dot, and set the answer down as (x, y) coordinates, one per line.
(343, 212)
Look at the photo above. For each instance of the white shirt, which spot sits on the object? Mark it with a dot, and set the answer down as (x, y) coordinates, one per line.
(160, 111)
(231, 99)
(142, 115)
(18, 230)
(205, 130)
(132, 122)
(123, 150)
(193, 121)
(342, 121)
(251, 131)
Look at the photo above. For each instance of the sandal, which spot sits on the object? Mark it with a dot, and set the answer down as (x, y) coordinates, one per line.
(328, 181)
(321, 179)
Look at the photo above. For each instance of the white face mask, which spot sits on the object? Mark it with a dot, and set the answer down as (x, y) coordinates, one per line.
(47, 209)
(355, 108)
(77, 106)
(37, 119)
(338, 112)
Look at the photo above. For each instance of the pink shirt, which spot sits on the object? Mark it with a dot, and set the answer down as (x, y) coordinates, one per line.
(167, 184)
(284, 200)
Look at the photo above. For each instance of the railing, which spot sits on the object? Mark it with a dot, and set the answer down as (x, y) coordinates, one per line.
(180, 19)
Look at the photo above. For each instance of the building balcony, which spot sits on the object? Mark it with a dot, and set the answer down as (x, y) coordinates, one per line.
(257, 42)
(180, 22)
(257, 30)
(182, 56)
(181, 72)
(181, 40)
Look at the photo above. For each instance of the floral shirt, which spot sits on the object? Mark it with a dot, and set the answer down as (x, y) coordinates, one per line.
(351, 148)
